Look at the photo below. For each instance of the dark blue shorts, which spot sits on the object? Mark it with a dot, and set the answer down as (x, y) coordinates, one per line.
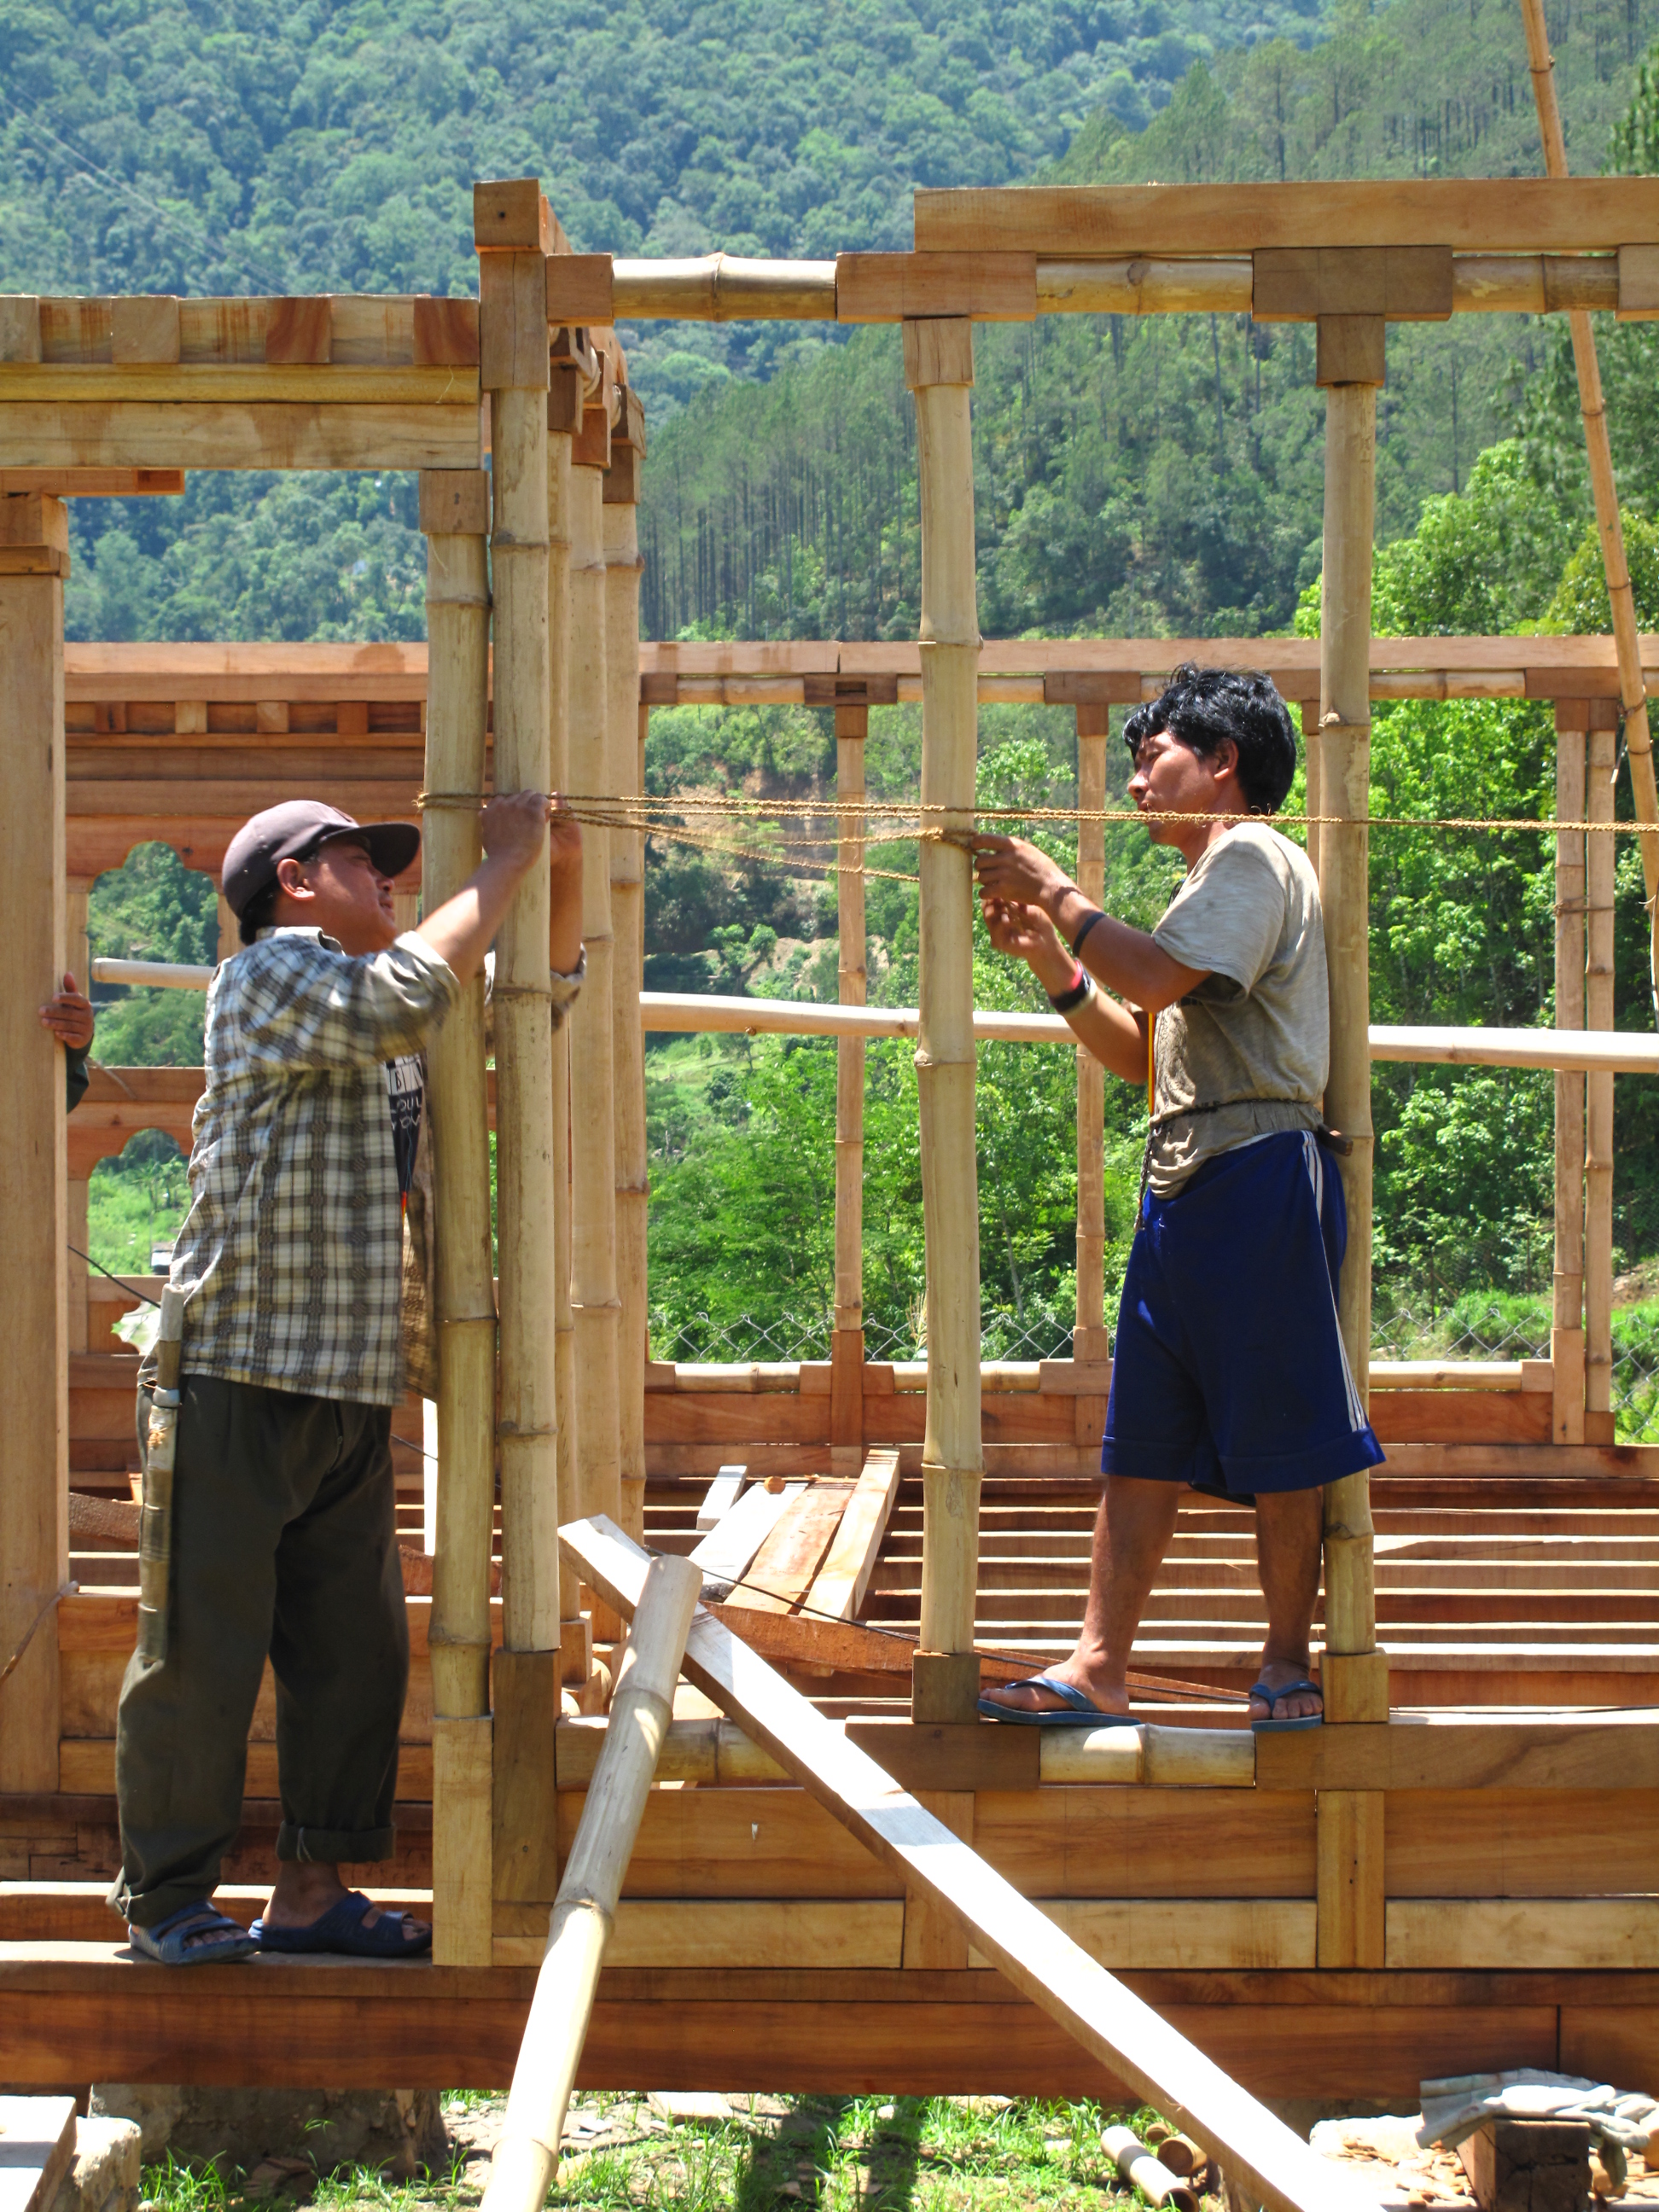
(1229, 1371)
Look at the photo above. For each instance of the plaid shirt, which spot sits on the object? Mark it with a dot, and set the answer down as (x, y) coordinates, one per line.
(290, 1258)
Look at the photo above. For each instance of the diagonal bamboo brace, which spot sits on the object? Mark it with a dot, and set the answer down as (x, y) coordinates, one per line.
(585, 1909)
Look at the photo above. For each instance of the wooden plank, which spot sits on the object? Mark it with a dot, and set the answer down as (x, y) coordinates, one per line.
(87, 1768)
(945, 1755)
(1350, 1877)
(1595, 1753)
(781, 1573)
(1125, 2035)
(704, 1932)
(1518, 1842)
(716, 1417)
(528, 1851)
(1460, 1417)
(1274, 1933)
(889, 287)
(726, 1552)
(105, 483)
(722, 1496)
(843, 1580)
(1492, 1462)
(37, 2149)
(1594, 1933)
(755, 1843)
(462, 1853)
(1518, 215)
(40, 1912)
(1107, 1842)
(1406, 284)
(241, 434)
(934, 1936)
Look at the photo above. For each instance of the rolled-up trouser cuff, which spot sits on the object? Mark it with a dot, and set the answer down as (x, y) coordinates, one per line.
(154, 1905)
(331, 1846)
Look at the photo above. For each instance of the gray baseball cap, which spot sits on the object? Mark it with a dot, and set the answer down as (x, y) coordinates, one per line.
(294, 830)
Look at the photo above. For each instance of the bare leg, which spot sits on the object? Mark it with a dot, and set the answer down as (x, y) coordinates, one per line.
(1288, 1524)
(305, 1889)
(1132, 1534)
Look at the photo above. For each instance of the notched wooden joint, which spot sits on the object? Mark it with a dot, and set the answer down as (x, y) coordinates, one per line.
(510, 214)
(144, 330)
(446, 332)
(454, 502)
(299, 333)
(1350, 349)
(1303, 284)
(579, 287)
(1638, 283)
(939, 351)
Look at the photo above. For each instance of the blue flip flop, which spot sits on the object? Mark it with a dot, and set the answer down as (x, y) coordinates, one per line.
(1271, 1698)
(169, 1944)
(1080, 1711)
(341, 1930)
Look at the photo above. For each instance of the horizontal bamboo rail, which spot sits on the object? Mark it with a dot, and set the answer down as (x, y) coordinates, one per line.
(1602, 1052)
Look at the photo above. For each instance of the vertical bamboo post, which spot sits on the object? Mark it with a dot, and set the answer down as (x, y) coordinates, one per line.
(34, 1283)
(596, 1483)
(514, 371)
(1309, 711)
(565, 405)
(846, 1336)
(1567, 1332)
(622, 653)
(1353, 1672)
(1089, 1337)
(77, 957)
(939, 367)
(454, 514)
(1598, 452)
(1601, 858)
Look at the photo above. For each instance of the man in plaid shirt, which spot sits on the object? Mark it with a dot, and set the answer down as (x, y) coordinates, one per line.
(284, 1538)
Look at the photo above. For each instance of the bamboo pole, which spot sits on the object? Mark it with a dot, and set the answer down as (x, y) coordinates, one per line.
(1089, 1338)
(77, 956)
(1602, 767)
(1567, 1332)
(596, 1486)
(526, 1204)
(939, 367)
(1598, 451)
(622, 652)
(847, 1342)
(454, 513)
(34, 1204)
(564, 410)
(526, 2156)
(1310, 755)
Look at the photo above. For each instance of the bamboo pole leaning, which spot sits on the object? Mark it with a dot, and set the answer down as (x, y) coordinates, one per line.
(1567, 1329)
(1598, 452)
(1089, 1342)
(584, 1912)
(1602, 762)
(622, 655)
(596, 1486)
(846, 1344)
(939, 368)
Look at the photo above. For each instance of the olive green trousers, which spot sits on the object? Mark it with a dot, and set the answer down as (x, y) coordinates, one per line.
(285, 1547)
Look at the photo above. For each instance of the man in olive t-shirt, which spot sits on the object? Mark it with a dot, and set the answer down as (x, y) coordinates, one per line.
(1229, 1372)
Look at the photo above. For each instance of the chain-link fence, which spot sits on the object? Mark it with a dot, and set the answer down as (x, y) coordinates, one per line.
(1038, 1333)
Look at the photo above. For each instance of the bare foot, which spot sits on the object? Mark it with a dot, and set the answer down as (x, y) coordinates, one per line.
(1302, 1704)
(306, 1890)
(1036, 1697)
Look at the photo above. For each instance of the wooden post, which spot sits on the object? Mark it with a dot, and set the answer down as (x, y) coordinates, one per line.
(1090, 1340)
(622, 652)
(1353, 1672)
(454, 514)
(564, 415)
(1601, 857)
(939, 367)
(1567, 1332)
(34, 1199)
(596, 1483)
(513, 350)
(527, 2154)
(847, 1337)
(1598, 452)
(77, 958)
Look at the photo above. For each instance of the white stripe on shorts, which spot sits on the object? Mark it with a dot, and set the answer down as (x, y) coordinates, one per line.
(1314, 1157)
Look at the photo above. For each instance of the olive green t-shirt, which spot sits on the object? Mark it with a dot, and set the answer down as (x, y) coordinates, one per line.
(1255, 1036)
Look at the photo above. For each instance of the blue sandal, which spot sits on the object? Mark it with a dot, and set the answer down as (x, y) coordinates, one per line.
(1271, 1698)
(1077, 1711)
(169, 1944)
(341, 1929)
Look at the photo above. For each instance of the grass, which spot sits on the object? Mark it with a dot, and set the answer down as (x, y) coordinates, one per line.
(772, 2154)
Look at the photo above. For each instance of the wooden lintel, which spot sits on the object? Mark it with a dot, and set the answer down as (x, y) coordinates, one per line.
(248, 435)
(1592, 1754)
(93, 483)
(1402, 283)
(892, 287)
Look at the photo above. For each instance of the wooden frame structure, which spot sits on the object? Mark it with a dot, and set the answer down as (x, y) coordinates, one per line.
(1334, 1938)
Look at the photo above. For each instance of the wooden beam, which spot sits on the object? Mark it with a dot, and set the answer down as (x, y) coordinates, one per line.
(1516, 215)
(93, 483)
(782, 1572)
(1125, 2035)
(238, 434)
(1455, 1751)
(889, 287)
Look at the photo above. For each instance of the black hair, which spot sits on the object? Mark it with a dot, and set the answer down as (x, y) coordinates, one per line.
(1203, 707)
(255, 914)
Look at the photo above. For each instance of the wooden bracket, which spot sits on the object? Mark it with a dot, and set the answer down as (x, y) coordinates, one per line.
(938, 352)
(454, 502)
(579, 289)
(1352, 1894)
(944, 1686)
(894, 288)
(590, 447)
(1350, 349)
(623, 476)
(511, 215)
(1401, 283)
(526, 1685)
